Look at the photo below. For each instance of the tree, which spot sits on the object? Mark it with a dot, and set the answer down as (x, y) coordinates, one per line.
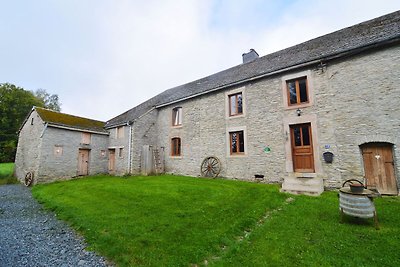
(15, 104)
(50, 101)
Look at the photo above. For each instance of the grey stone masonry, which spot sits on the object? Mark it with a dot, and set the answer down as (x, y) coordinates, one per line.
(353, 101)
(120, 143)
(65, 165)
(29, 144)
(51, 152)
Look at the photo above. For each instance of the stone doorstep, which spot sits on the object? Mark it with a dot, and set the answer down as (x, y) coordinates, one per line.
(305, 186)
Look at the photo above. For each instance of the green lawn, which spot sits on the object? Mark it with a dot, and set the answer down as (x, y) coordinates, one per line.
(179, 221)
(6, 173)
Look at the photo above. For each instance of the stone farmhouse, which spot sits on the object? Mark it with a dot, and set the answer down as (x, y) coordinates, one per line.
(309, 116)
(54, 146)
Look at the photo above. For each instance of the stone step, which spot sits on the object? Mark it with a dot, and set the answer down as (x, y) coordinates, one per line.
(307, 186)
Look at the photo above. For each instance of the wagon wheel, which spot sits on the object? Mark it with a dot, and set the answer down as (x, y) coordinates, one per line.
(210, 167)
(28, 178)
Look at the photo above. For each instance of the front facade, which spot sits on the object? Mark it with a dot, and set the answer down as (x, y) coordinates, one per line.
(307, 120)
(287, 122)
(310, 117)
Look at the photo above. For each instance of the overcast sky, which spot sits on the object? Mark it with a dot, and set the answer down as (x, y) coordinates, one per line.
(103, 57)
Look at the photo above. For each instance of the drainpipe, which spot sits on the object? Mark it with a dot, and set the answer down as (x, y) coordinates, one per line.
(130, 147)
(44, 129)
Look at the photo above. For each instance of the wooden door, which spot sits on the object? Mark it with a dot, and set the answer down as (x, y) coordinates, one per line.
(302, 150)
(83, 162)
(111, 160)
(379, 167)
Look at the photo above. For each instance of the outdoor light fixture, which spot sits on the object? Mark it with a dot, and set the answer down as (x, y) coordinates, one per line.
(298, 112)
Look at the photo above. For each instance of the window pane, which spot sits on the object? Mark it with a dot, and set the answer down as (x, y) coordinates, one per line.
(292, 92)
(177, 116)
(297, 136)
(176, 147)
(303, 90)
(306, 136)
(241, 142)
(239, 104)
(233, 142)
(233, 105)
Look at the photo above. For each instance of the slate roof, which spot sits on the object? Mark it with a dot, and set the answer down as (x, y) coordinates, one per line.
(366, 35)
(65, 120)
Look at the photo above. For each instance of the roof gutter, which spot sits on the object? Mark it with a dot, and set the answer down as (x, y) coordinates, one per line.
(302, 65)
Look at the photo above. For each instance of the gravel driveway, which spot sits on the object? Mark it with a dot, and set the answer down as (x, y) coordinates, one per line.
(31, 236)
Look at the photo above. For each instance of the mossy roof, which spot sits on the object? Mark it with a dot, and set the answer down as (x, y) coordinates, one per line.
(66, 120)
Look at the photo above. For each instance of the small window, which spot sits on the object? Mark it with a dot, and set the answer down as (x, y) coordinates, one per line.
(121, 153)
(58, 150)
(32, 121)
(236, 142)
(86, 138)
(177, 116)
(175, 146)
(297, 91)
(120, 132)
(235, 104)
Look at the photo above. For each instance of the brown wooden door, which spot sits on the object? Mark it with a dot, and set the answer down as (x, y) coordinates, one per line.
(83, 162)
(379, 167)
(111, 160)
(302, 150)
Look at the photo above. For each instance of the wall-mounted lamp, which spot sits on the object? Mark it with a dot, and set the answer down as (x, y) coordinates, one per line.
(298, 112)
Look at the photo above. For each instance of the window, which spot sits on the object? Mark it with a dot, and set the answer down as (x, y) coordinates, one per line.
(32, 121)
(177, 116)
(235, 104)
(121, 152)
(297, 91)
(175, 146)
(120, 132)
(236, 142)
(86, 138)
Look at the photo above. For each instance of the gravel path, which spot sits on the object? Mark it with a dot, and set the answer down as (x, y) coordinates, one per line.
(31, 236)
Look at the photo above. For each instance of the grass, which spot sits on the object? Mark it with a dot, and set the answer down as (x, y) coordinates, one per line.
(179, 221)
(6, 174)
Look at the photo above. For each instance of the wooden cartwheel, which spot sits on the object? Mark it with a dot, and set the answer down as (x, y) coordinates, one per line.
(28, 178)
(210, 167)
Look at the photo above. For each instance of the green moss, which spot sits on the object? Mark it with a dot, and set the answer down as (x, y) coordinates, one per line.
(69, 120)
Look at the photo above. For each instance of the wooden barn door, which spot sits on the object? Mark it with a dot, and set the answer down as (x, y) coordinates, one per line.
(379, 167)
(111, 160)
(302, 150)
(83, 162)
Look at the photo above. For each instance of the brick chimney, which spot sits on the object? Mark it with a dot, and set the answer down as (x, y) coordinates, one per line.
(250, 56)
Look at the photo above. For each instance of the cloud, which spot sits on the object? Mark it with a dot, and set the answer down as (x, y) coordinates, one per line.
(105, 57)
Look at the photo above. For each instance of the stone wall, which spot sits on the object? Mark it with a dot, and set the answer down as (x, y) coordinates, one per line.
(29, 143)
(144, 132)
(352, 101)
(118, 143)
(61, 165)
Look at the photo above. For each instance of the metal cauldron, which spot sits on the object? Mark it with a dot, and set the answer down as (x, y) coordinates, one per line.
(357, 201)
